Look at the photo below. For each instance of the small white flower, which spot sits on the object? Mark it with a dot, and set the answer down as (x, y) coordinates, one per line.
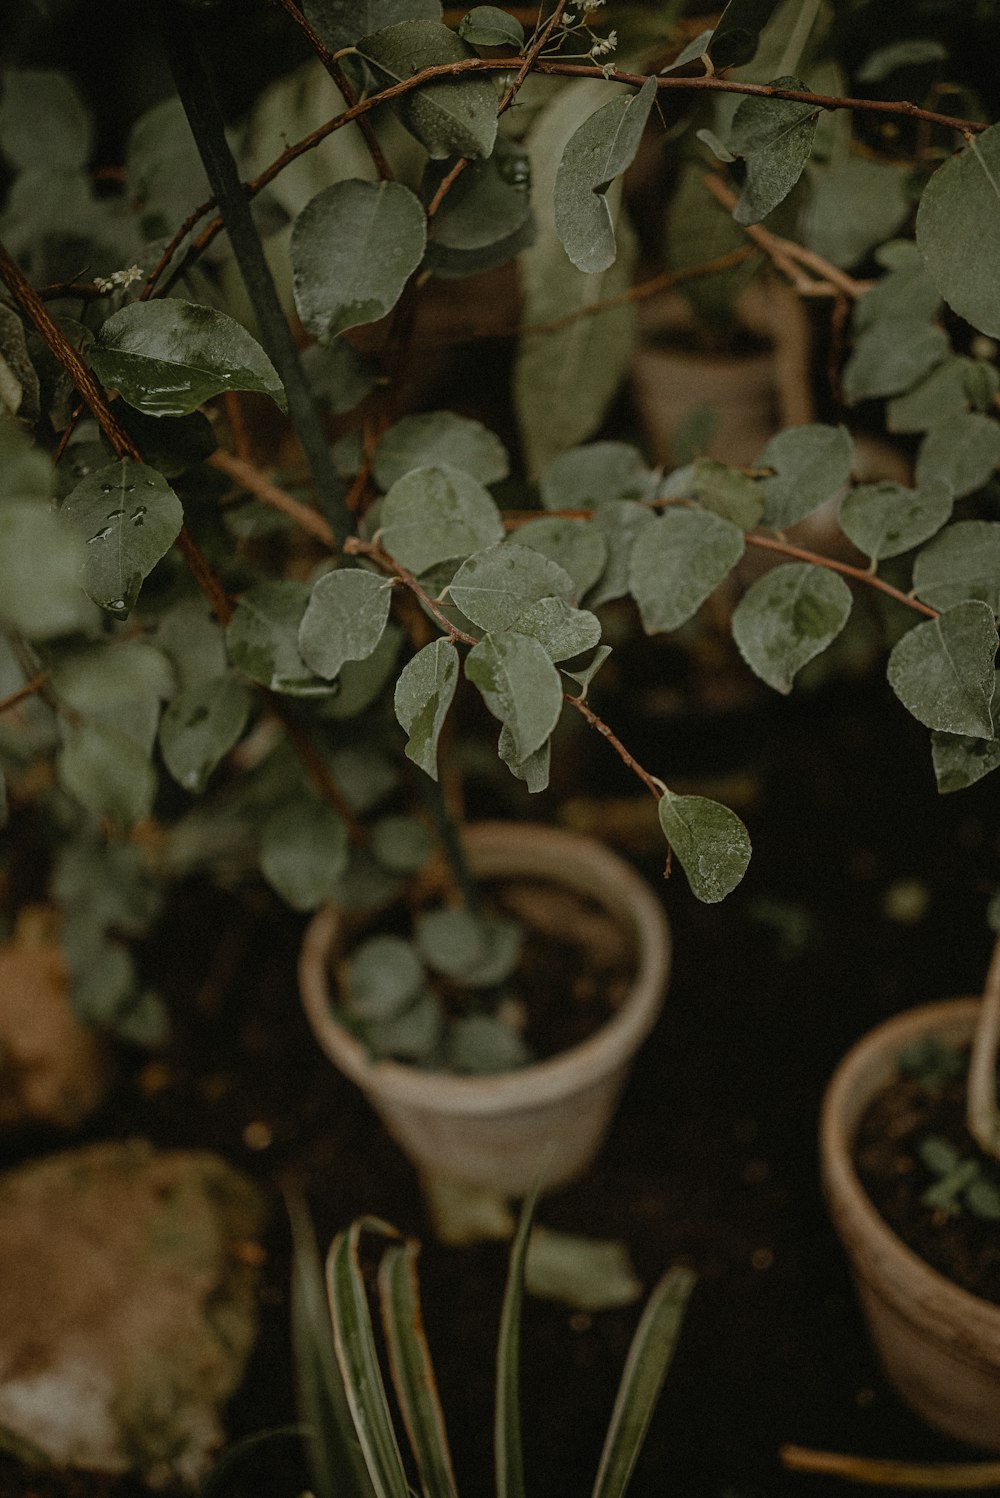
(118, 278)
(608, 44)
(590, 5)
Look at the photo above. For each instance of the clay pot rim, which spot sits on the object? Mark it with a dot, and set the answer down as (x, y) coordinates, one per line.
(566, 858)
(854, 1214)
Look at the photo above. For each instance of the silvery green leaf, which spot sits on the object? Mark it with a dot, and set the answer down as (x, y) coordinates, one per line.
(960, 760)
(787, 617)
(907, 53)
(494, 587)
(774, 138)
(45, 600)
(487, 204)
(905, 293)
(107, 771)
(364, 776)
(200, 726)
(262, 638)
(576, 545)
(488, 26)
(19, 389)
(482, 1045)
(360, 682)
(121, 683)
(621, 522)
(434, 438)
(456, 118)
(961, 451)
(854, 204)
(424, 692)
(561, 630)
(128, 517)
(595, 474)
(941, 394)
(303, 852)
(599, 151)
(436, 513)
(519, 685)
(168, 357)
(477, 950)
(353, 248)
(340, 23)
(683, 557)
(959, 213)
(43, 121)
(164, 174)
(344, 619)
(728, 492)
(886, 519)
(811, 464)
(962, 562)
(401, 844)
(942, 671)
(338, 374)
(892, 355)
(534, 770)
(414, 1035)
(382, 976)
(587, 1273)
(709, 841)
(584, 677)
(451, 265)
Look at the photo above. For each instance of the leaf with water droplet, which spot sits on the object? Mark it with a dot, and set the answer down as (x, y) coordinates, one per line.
(450, 118)
(200, 726)
(123, 540)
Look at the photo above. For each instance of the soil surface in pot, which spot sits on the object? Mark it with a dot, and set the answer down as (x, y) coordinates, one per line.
(956, 1242)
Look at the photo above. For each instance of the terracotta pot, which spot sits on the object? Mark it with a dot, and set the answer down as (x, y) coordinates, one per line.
(939, 1344)
(493, 1132)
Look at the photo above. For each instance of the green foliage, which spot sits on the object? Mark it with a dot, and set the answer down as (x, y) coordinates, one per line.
(344, 620)
(519, 685)
(343, 22)
(423, 696)
(774, 138)
(710, 841)
(961, 205)
(601, 149)
(450, 118)
(787, 618)
(127, 518)
(811, 464)
(434, 514)
(683, 557)
(942, 671)
(488, 26)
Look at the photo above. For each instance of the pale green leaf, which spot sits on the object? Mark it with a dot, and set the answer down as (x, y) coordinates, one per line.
(448, 118)
(534, 771)
(43, 121)
(886, 519)
(853, 204)
(519, 685)
(960, 760)
(303, 852)
(891, 355)
(128, 517)
(164, 175)
(477, 950)
(787, 617)
(589, 1274)
(811, 464)
(962, 562)
(601, 149)
(262, 638)
(774, 138)
(728, 492)
(962, 452)
(401, 844)
(622, 522)
(683, 556)
(911, 52)
(905, 293)
(649, 1358)
(343, 22)
(585, 676)
(107, 771)
(709, 841)
(561, 630)
(595, 474)
(382, 977)
(121, 684)
(413, 1036)
(482, 1045)
(507, 1454)
(433, 514)
(423, 696)
(25, 470)
(344, 619)
(576, 545)
(45, 599)
(488, 26)
(167, 357)
(439, 437)
(942, 671)
(353, 249)
(494, 587)
(947, 391)
(958, 222)
(199, 728)
(360, 682)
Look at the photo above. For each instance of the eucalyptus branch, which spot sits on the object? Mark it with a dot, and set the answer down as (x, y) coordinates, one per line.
(205, 118)
(652, 785)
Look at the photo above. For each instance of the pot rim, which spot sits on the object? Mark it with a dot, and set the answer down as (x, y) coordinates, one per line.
(579, 863)
(919, 1285)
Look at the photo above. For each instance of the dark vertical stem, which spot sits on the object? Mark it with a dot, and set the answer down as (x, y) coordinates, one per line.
(451, 843)
(205, 118)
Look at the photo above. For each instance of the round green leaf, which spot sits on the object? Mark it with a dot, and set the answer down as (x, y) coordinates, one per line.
(107, 771)
(40, 566)
(344, 619)
(128, 517)
(303, 852)
(435, 438)
(561, 630)
(728, 492)
(943, 671)
(494, 587)
(594, 474)
(957, 222)
(482, 1045)
(811, 463)
(710, 843)
(519, 685)
(961, 452)
(486, 206)
(168, 357)
(576, 545)
(774, 137)
(423, 696)
(787, 617)
(683, 556)
(262, 638)
(962, 562)
(451, 118)
(200, 726)
(886, 519)
(401, 844)
(477, 950)
(434, 514)
(488, 26)
(383, 976)
(353, 248)
(43, 121)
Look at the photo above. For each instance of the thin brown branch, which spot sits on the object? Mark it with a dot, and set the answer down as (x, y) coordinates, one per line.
(885, 1473)
(248, 476)
(30, 688)
(314, 764)
(627, 759)
(859, 574)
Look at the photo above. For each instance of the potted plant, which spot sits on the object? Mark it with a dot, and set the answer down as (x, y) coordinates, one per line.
(196, 682)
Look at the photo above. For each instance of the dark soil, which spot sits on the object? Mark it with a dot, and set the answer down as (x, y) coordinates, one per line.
(959, 1244)
(866, 895)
